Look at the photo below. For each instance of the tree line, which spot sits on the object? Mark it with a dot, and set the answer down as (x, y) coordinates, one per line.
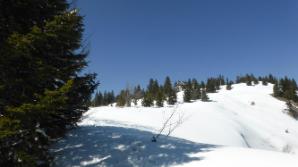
(286, 88)
(157, 94)
(103, 99)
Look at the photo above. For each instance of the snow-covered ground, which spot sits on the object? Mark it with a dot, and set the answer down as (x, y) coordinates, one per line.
(235, 133)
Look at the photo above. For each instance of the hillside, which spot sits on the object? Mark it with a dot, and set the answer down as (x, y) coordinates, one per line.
(244, 126)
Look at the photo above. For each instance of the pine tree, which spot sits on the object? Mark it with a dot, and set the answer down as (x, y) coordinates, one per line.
(41, 84)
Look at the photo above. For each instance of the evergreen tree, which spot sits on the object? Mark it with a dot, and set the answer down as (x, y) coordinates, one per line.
(121, 98)
(172, 99)
(276, 90)
(98, 99)
(204, 96)
(42, 88)
(105, 98)
(147, 100)
(229, 86)
(203, 85)
(137, 94)
(169, 91)
(187, 92)
(153, 88)
(293, 111)
(211, 85)
(256, 81)
(167, 86)
(160, 98)
(196, 92)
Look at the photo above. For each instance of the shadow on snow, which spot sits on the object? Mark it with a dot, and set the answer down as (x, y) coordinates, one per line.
(125, 147)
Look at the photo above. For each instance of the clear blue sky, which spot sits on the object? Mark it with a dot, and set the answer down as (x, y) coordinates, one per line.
(134, 40)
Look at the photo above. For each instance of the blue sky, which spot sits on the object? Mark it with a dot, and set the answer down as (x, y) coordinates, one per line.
(134, 40)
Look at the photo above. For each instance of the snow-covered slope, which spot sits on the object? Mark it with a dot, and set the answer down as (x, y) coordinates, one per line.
(229, 120)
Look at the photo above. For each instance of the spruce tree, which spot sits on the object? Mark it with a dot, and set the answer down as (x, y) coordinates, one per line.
(147, 100)
(249, 82)
(167, 86)
(160, 98)
(42, 87)
(121, 99)
(196, 92)
(172, 98)
(276, 90)
(203, 85)
(204, 96)
(98, 99)
(229, 86)
(211, 85)
(187, 92)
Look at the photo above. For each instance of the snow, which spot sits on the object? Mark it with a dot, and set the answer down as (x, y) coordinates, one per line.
(236, 133)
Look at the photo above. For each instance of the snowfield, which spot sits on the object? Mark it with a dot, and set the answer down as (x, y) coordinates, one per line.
(244, 126)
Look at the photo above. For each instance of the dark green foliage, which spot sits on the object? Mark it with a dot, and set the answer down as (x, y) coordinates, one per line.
(167, 86)
(147, 100)
(97, 100)
(214, 84)
(211, 85)
(169, 91)
(204, 96)
(160, 98)
(108, 98)
(103, 99)
(277, 90)
(293, 111)
(229, 85)
(187, 92)
(196, 90)
(42, 89)
(203, 85)
(248, 83)
(122, 98)
(287, 89)
(153, 88)
(138, 93)
(172, 98)
(250, 78)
